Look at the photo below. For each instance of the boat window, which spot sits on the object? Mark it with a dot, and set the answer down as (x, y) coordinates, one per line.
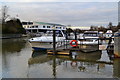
(36, 26)
(48, 26)
(30, 23)
(43, 26)
(32, 26)
(59, 35)
(24, 23)
(90, 34)
(50, 33)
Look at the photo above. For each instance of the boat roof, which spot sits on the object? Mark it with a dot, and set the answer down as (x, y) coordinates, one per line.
(109, 31)
(91, 32)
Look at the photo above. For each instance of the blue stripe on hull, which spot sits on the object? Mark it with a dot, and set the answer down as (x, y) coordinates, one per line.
(37, 48)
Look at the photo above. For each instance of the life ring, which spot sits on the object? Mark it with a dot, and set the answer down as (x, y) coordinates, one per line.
(74, 45)
(74, 63)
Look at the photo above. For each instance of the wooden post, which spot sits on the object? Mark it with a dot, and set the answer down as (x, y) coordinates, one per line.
(75, 35)
(54, 40)
(98, 39)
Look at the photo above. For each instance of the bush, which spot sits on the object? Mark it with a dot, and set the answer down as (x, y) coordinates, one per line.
(13, 27)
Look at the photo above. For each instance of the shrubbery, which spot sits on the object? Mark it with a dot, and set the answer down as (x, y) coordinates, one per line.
(13, 26)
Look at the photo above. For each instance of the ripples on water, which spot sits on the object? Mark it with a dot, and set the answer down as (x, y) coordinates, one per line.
(19, 61)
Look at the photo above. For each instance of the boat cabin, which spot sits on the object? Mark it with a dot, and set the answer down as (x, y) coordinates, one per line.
(91, 35)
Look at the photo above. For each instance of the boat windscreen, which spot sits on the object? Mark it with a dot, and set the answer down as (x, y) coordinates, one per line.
(50, 33)
(93, 34)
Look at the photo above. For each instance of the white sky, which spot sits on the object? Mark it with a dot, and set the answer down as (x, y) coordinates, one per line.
(59, 0)
(68, 13)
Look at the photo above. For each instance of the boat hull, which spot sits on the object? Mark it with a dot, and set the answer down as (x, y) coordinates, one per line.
(44, 45)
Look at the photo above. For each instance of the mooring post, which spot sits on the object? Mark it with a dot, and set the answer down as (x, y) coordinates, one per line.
(75, 35)
(54, 40)
(98, 39)
(117, 44)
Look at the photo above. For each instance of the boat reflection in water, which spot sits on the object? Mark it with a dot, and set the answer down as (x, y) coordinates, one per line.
(76, 55)
(83, 62)
(86, 64)
(39, 57)
(91, 56)
(89, 48)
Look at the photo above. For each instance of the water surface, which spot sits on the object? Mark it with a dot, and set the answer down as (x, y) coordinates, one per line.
(19, 61)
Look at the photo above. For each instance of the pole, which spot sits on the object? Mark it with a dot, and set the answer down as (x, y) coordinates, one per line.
(75, 35)
(54, 67)
(54, 41)
(98, 39)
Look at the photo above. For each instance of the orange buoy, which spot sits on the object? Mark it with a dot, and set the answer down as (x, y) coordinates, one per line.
(74, 45)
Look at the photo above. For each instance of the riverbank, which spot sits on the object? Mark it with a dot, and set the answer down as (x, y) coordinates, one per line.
(9, 36)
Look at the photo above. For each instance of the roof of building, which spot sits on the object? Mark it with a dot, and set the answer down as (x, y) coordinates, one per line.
(49, 23)
(80, 27)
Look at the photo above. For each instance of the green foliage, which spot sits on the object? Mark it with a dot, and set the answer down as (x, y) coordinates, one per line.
(78, 31)
(13, 27)
(118, 26)
(103, 29)
(69, 30)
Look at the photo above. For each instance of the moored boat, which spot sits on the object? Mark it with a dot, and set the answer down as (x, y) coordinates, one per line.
(91, 35)
(46, 40)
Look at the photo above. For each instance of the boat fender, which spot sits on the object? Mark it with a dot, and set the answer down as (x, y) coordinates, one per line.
(75, 43)
(74, 63)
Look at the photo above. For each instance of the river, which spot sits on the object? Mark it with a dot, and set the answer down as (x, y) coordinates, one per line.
(20, 61)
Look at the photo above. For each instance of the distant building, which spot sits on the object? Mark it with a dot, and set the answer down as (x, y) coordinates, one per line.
(79, 27)
(41, 26)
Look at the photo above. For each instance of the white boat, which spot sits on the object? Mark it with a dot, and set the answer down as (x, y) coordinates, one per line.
(89, 42)
(91, 35)
(108, 34)
(90, 38)
(46, 40)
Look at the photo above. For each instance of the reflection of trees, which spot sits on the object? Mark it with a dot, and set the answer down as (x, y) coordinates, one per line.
(110, 54)
(12, 45)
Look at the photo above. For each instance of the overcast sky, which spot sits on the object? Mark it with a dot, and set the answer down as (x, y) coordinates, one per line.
(67, 13)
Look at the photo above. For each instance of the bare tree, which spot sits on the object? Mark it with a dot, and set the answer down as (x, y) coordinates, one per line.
(4, 14)
(110, 25)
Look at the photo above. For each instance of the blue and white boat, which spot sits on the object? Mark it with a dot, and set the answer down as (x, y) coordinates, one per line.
(46, 40)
